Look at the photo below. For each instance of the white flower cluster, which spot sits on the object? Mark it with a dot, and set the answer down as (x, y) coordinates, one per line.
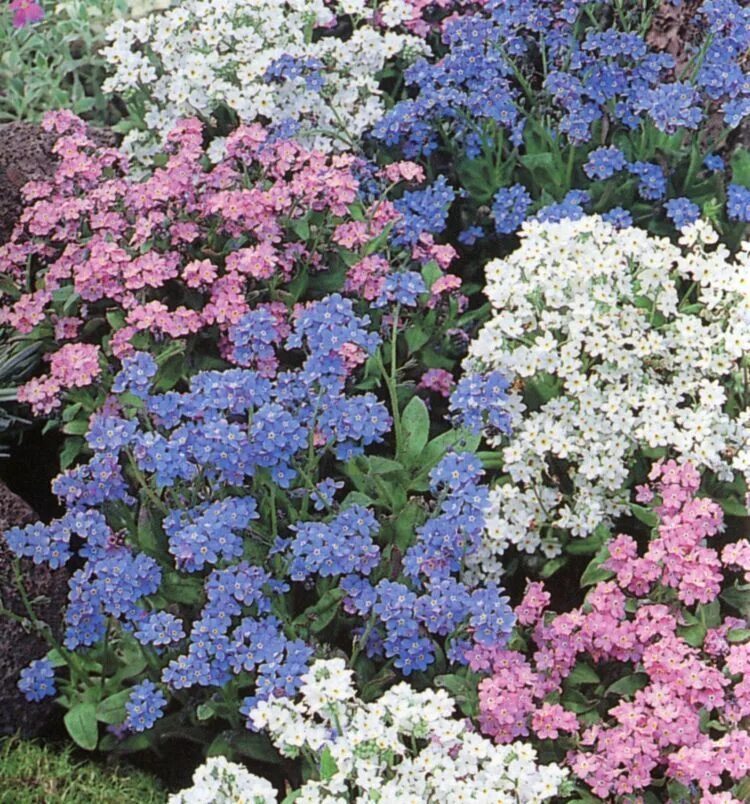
(622, 345)
(203, 55)
(404, 748)
(218, 781)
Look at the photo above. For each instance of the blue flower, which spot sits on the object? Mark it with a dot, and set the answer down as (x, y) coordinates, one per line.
(341, 547)
(653, 183)
(479, 402)
(136, 375)
(714, 162)
(673, 106)
(604, 162)
(160, 628)
(492, 619)
(509, 208)
(619, 218)
(738, 203)
(423, 211)
(144, 706)
(37, 680)
(571, 208)
(682, 211)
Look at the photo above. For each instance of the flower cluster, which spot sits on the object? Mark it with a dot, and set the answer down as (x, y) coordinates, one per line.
(546, 97)
(405, 746)
(223, 488)
(619, 344)
(203, 251)
(665, 689)
(276, 62)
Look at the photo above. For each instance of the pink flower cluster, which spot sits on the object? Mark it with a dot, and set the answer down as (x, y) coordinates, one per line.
(425, 10)
(75, 365)
(671, 705)
(677, 557)
(26, 12)
(193, 247)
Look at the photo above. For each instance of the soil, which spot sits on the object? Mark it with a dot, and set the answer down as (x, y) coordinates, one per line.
(26, 155)
(20, 644)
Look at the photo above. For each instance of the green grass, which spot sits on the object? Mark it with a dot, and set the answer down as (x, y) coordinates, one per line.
(34, 774)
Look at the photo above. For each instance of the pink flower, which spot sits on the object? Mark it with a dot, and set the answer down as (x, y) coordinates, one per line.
(438, 380)
(403, 171)
(26, 12)
(366, 278)
(550, 719)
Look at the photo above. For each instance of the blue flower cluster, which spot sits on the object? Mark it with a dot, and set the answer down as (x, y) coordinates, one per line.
(422, 211)
(144, 707)
(38, 680)
(210, 532)
(478, 402)
(405, 617)
(565, 68)
(225, 481)
(287, 67)
(339, 547)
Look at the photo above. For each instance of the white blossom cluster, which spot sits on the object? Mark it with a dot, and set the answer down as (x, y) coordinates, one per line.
(623, 345)
(404, 748)
(219, 781)
(203, 55)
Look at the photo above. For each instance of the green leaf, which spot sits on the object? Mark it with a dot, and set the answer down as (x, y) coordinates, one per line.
(179, 589)
(741, 167)
(451, 439)
(204, 711)
(645, 515)
(583, 674)
(628, 685)
(552, 566)
(415, 422)
(112, 710)
(254, 746)
(709, 614)
(738, 635)
(82, 727)
(384, 466)
(78, 427)
(694, 635)
(416, 338)
(594, 572)
(328, 766)
(733, 507)
(574, 701)
(739, 598)
(590, 544)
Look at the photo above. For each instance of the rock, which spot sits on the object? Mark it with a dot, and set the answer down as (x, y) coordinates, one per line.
(26, 155)
(19, 645)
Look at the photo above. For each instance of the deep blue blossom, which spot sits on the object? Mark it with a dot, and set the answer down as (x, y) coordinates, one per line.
(343, 546)
(682, 211)
(136, 374)
(145, 706)
(653, 183)
(37, 680)
(571, 208)
(738, 203)
(619, 218)
(479, 402)
(160, 628)
(604, 162)
(423, 211)
(510, 208)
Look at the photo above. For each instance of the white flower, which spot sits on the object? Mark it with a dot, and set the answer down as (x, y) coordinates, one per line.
(200, 56)
(218, 781)
(591, 323)
(405, 747)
